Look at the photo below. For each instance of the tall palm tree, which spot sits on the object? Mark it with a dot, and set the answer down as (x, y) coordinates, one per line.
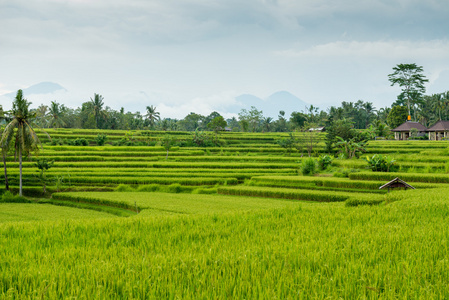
(41, 115)
(4, 150)
(152, 115)
(439, 104)
(267, 123)
(97, 108)
(20, 133)
(56, 115)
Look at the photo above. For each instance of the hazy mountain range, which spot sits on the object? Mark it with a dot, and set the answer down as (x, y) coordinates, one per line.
(45, 92)
(38, 89)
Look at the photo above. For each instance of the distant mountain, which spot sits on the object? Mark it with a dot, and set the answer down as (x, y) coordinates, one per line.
(271, 105)
(38, 89)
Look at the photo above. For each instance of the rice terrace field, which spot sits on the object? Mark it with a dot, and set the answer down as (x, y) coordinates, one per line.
(237, 221)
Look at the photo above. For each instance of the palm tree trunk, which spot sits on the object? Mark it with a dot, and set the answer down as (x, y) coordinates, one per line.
(6, 173)
(20, 172)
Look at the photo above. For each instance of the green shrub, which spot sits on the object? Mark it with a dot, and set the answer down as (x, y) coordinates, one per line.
(79, 142)
(380, 163)
(101, 139)
(308, 166)
(174, 188)
(9, 197)
(324, 161)
(343, 174)
(124, 188)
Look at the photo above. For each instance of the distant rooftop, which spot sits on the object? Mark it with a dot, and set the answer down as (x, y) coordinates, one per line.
(440, 126)
(407, 126)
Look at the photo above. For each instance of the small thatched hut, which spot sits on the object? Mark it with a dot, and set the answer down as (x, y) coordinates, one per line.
(439, 131)
(402, 132)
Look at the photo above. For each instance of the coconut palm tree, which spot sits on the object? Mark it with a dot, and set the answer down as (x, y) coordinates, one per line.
(3, 149)
(152, 115)
(97, 108)
(439, 104)
(19, 132)
(41, 116)
(56, 115)
(4, 153)
(267, 123)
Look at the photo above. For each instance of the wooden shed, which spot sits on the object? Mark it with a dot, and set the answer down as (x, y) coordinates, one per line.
(396, 183)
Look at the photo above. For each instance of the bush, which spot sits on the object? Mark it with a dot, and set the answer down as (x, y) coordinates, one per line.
(124, 188)
(57, 142)
(79, 142)
(101, 139)
(174, 188)
(308, 166)
(380, 163)
(9, 197)
(324, 161)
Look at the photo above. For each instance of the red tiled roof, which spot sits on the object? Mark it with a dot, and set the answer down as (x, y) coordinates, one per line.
(407, 126)
(440, 126)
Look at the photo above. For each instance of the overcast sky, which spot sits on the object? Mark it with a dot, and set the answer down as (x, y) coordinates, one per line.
(198, 55)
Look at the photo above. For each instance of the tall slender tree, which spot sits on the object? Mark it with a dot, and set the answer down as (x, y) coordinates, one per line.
(410, 78)
(4, 150)
(20, 132)
(97, 109)
(152, 115)
(56, 115)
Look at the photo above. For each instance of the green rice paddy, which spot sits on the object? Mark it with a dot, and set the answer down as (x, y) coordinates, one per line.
(261, 231)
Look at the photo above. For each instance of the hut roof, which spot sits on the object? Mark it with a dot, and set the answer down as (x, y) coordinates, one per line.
(440, 126)
(407, 126)
(397, 182)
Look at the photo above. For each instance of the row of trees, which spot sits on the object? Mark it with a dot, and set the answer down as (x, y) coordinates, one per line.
(427, 109)
(95, 115)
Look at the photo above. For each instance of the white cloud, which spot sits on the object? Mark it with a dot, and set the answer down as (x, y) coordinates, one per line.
(181, 51)
(436, 49)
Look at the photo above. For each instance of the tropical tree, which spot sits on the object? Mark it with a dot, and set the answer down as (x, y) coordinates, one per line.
(4, 150)
(253, 117)
(410, 78)
(97, 109)
(397, 116)
(41, 115)
(217, 124)
(281, 123)
(350, 148)
(152, 115)
(56, 115)
(43, 165)
(439, 104)
(298, 119)
(191, 122)
(267, 123)
(167, 142)
(20, 133)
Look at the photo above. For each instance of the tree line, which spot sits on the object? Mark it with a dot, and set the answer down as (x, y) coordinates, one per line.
(94, 114)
